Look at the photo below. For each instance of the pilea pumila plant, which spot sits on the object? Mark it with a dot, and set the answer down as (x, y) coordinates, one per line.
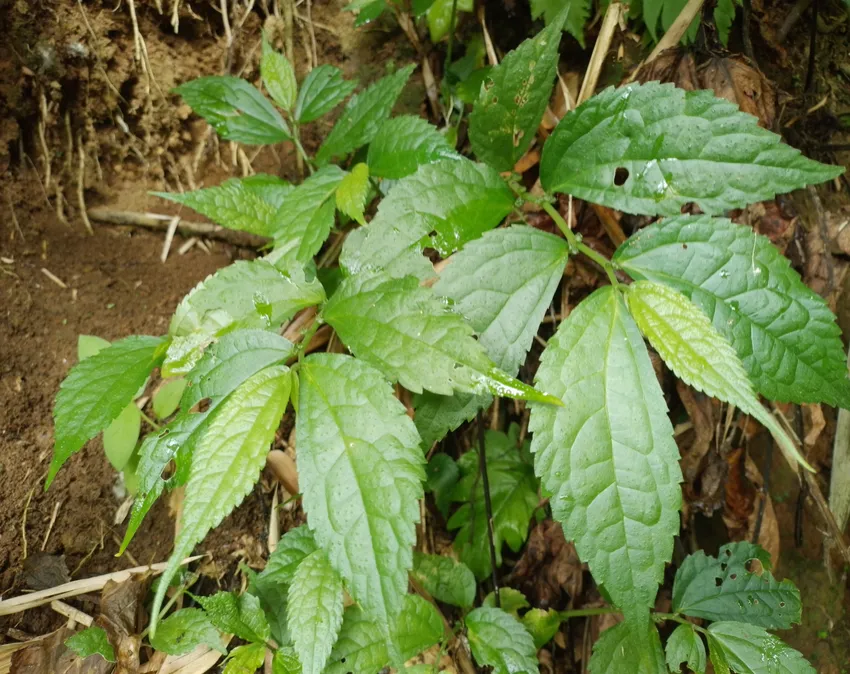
(721, 306)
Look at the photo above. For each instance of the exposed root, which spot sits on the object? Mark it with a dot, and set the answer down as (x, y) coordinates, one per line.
(81, 180)
(42, 139)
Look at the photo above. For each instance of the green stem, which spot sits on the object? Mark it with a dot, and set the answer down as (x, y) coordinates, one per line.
(149, 421)
(306, 337)
(586, 612)
(296, 138)
(658, 617)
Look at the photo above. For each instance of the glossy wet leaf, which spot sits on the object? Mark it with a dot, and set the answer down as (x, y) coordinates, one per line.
(410, 335)
(96, 391)
(235, 109)
(628, 649)
(747, 648)
(278, 76)
(363, 116)
(352, 192)
(671, 147)
(699, 355)
(90, 641)
(321, 91)
(499, 640)
(608, 456)
(784, 333)
(315, 611)
(405, 143)
(240, 615)
(184, 630)
(227, 460)
(456, 200)
(685, 646)
(361, 471)
(578, 11)
(167, 399)
(445, 579)
(121, 436)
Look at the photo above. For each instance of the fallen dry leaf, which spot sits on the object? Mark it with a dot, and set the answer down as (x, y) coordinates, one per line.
(549, 567)
(813, 422)
(740, 83)
(51, 656)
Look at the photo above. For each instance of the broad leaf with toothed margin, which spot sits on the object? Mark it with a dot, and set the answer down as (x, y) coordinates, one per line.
(514, 96)
(685, 646)
(628, 648)
(352, 192)
(677, 147)
(784, 333)
(184, 630)
(699, 355)
(227, 461)
(361, 472)
(746, 648)
(320, 92)
(445, 579)
(579, 11)
(278, 76)
(499, 640)
(96, 391)
(410, 335)
(235, 109)
(608, 456)
(405, 143)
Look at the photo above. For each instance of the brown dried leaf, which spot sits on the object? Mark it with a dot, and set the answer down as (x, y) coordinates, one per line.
(549, 566)
(672, 65)
(814, 423)
(742, 84)
(123, 616)
(43, 571)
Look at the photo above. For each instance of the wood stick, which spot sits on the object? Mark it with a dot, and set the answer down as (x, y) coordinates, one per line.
(600, 51)
(672, 37)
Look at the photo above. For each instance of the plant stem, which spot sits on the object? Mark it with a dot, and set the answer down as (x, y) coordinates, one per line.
(586, 612)
(306, 337)
(452, 20)
(149, 421)
(488, 506)
(296, 138)
(658, 617)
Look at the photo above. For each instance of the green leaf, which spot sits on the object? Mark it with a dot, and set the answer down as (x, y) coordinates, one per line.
(230, 361)
(278, 76)
(678, 147)
(363, 116)
(513, 494)
(541, 625)
(361, 473)
(440, 16)
(578, 13)
(352, 192)
(750, 650)
(456, 200)
(405, 331)
(724, 15)
(96, 391)
(245, 659)
(89, 345)
(167, 399)
(405, 143)
(235, 109)
(285, 661)
(235, 204)
(362, 648)
(685, 645)
(437, 415)
(627, 648)
(499, 640)
(722, 588)
(445, 579)
(227, 461)
(271, 189)
(512, 601)
(240, 615)
(245, 294)
(514, 97)
(315, 611)
(367, 10)
(443, 474)
(699, 355)
(651, 15)
(90, 641)
(306, 217)
(321, 91)
(121, 436)
(184, 630)
(615, 482)
(785, 334)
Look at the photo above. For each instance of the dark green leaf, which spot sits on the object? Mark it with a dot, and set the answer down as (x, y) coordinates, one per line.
(321, 91)
(748, 649)
(90, 641)
(628, 648)
(405, 143)
(499, 640)
(271, 189)
(240, 615)
(677, 147)
(724, 15)
(235, 109)
(443, 474)
(437, 415)
(578, 13)
(685, 645)
(445, 579)
(184, 630)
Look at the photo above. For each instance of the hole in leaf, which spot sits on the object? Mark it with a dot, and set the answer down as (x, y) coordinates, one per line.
(754, 566)
(621, 175)
(686, 209)
(168, 471)
(733, 576)
(782, 604)
(718, 581)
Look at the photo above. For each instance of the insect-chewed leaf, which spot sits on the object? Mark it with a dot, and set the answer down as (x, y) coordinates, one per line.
(514, 97)
(410, 335)
(278, 76)
(245, 659)
(445, 579)
(699, 355)
(97, 389)
(455, 199)
(499, 640)
(184, 630)
(685, 646)
(363, 116)
(235, 109)
(253, 294)
(405, 143)
(362, 648)
(747, 648)
(615, 482)
(315, 611)
(321, 91)
(722, 588)
(227, 461)
(234, 204)
(361, 473)
(305, 219)
(513, 493)
(652, 148)
(579, 10)
(90, 641)
(784, 333)
(352, 192)
(628, 648)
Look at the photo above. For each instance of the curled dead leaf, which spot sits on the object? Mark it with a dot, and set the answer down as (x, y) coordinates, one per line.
(549, 567)
(740, 83)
